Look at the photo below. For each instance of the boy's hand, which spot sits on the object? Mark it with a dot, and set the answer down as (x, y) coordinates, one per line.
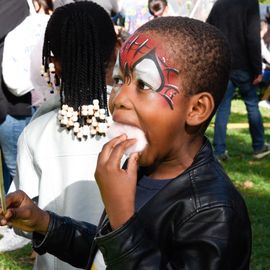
(117, 186)
(23, 214)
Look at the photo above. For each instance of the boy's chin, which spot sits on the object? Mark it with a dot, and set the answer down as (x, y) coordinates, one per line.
(117, 129)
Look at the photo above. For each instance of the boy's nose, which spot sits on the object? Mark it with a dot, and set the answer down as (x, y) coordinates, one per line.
(121, 98)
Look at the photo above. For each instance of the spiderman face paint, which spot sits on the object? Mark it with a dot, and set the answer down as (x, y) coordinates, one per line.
(142, 57)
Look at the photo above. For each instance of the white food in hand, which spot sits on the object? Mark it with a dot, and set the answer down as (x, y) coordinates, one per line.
(117, 129)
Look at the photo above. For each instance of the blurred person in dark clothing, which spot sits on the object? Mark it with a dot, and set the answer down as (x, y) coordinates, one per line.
(239, 20)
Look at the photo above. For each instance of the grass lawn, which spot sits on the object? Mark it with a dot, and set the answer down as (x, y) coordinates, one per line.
(17, 260)
(251, 177)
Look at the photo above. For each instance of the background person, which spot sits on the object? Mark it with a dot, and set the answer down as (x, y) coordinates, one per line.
(18, 46)
(15, 111)
(12, 109)
(239, 20)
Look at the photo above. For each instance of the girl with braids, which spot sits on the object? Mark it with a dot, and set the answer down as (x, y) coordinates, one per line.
(57, 152)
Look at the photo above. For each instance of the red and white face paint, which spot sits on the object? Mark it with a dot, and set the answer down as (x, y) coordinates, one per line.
(142, 62)
(143, 58)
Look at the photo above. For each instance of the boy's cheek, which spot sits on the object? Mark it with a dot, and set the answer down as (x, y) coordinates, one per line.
(111, 99)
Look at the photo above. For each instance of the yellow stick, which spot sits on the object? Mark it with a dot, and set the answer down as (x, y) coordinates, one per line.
(2, 190)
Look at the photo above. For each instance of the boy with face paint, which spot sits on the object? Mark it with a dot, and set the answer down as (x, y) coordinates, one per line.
(172, 206)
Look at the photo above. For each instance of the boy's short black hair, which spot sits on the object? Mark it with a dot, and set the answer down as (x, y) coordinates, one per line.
(199, 50)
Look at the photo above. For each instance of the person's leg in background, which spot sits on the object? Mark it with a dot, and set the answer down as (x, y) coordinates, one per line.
(221, 121)
(248, 92)
(10, 131)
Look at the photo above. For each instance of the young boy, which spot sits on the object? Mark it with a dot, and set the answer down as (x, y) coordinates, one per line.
(179, 210)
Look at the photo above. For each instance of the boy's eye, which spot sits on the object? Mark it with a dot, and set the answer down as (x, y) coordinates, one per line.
(142, 85)
(117, 80)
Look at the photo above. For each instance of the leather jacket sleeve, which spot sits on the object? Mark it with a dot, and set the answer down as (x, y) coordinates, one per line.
(208, 239)
(67, 239)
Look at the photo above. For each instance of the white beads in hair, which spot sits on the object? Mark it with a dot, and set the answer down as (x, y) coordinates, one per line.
(51, 68)
(88, 121)
(48, 76)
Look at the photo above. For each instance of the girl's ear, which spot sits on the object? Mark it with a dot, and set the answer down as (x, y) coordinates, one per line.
(200, 109)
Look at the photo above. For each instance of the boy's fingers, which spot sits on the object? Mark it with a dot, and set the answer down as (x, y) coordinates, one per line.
(133, 164)
(119, 150)
(3, 222)
(15, 198)
(5, 218)
(109, 146)
(19, 218)
(10, 214)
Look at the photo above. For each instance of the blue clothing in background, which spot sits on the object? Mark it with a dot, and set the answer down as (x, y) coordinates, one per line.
(243, 80)
(10, 131)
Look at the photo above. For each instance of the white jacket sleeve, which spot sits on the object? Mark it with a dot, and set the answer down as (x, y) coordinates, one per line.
(28, 175)
(18, 46)
(16, 61)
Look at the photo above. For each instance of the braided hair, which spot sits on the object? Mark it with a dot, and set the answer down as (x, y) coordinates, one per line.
(81, 37)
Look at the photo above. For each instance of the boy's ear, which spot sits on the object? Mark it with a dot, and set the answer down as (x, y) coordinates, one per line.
(201, 107)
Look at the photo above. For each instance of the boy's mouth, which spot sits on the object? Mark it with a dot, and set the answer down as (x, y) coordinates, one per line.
(120, 119)
(132, 132)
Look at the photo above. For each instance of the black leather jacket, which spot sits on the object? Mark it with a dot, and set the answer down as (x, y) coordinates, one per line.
(197, 221)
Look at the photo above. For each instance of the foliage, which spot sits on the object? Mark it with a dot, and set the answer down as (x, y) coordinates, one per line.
(264, 1)
(17, 260)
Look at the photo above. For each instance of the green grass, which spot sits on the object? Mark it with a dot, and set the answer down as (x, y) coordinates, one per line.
(17, 260)
(251, 177)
